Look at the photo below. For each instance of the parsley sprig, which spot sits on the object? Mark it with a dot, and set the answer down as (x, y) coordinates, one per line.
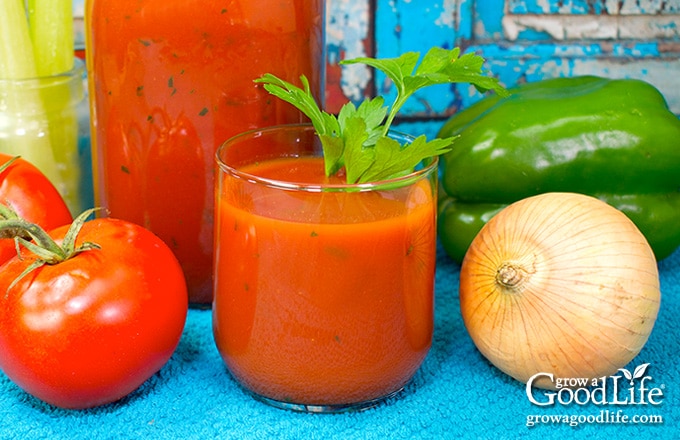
(357, 139)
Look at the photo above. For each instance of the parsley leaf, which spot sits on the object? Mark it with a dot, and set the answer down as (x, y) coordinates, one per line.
(357, 139)
(389, 160)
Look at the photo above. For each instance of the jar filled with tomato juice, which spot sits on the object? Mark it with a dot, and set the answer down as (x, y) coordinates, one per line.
(170, 80)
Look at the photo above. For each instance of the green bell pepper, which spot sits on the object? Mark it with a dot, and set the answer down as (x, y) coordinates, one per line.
(613, 139)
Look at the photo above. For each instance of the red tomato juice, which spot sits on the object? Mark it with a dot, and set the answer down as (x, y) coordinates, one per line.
(323, 299)
(170, 80)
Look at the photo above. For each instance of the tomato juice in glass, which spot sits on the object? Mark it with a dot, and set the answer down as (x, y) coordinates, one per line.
(170, 80)
(323, 290)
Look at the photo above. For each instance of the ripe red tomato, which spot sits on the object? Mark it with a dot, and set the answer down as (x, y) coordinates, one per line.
(91, 329)
(32, 196)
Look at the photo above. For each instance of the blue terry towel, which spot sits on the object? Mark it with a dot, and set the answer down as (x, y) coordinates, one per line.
(456, 394)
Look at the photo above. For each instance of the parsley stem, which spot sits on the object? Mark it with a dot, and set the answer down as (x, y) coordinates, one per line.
(396, 106)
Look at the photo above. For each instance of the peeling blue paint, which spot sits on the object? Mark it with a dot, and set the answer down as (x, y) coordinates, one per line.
(638, 50)
(534, 54)
(347, 27)
(596, 7)
(562, 7)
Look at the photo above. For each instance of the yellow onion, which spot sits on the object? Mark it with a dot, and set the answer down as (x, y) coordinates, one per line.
(559, 283)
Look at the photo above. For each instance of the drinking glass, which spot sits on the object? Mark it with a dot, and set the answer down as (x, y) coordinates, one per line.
(323, 290)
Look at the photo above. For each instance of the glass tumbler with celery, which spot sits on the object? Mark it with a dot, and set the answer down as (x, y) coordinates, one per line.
(325, 245)
(43, 111)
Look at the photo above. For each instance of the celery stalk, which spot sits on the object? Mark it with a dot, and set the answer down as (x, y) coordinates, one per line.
(16, 54)
(19, 102)
(38, 43)
(51, 27)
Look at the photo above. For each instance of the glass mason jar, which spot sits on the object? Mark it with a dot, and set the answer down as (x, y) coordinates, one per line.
(323, 290)
(45, 120)
(170, 80)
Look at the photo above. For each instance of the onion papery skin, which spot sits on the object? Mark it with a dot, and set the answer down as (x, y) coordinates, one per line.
(559, 283)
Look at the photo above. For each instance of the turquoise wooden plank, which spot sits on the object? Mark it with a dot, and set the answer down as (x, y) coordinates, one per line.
(486, 21)
(463, 24)
(403, 26)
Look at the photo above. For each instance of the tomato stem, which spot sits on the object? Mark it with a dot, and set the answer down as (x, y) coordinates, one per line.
(6, 165)
(43, 246)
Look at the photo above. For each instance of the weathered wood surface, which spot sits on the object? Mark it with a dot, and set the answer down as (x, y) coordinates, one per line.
(522, 40)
